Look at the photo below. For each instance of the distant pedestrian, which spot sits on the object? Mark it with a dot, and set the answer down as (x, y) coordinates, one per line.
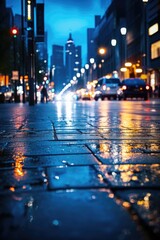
(44, 94)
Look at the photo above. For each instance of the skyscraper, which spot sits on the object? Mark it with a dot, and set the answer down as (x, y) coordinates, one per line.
(90, 44)
(57, 67)
(73, 59)
(70, 58)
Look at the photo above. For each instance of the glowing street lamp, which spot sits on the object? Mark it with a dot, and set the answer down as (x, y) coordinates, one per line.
(102, 51)
(91, 60)
(78, 75)
(86, 66)
(113, 42)
(82, 70)
(123, 30)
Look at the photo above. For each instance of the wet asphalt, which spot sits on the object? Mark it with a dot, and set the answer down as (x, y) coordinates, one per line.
(80, 170)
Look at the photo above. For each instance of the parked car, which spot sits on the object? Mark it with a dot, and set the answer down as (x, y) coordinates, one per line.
(133, 88)
(106, 88)
(6, 94)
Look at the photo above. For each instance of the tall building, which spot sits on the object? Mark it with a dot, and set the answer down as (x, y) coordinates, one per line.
(57, 67)
(6, 43)
(78, 59)
(90, 44)
(153, 42)
(73, 59)
(70, 58)
(139, 45)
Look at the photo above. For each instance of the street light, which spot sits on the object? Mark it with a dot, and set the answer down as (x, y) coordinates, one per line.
(123, 30)
(113, 42)
(102, 51)
(14, 33)
(86, 66)
(92, 62)
(145, 37)
(83, 77)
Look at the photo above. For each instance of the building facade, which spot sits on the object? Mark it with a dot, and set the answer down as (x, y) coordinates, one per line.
(57, 68)
(153, 43)
(6, 43)
(70, 58)
(73, 59)
(138, 45)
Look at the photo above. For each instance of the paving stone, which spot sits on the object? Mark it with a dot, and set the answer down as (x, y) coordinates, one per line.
(73, 177)
(87, 215)
(44, 148)
(61, 160)
(19, 179)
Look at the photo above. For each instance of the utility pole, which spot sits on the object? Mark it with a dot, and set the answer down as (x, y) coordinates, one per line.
(23, 58)
(14, 32)
(31, 50)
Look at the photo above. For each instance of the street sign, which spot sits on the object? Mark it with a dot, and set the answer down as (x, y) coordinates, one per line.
(15, 75)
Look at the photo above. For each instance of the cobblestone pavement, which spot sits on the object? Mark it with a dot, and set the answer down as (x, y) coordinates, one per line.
(80, 170)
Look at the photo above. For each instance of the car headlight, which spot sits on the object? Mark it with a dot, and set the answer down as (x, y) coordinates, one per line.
(124, 87)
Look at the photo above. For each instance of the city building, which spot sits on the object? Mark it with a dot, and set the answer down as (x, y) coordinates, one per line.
(127, 40)
(153, 41)
(78, 59)
(73, 59)
(70, 58)
(41, 60)
(57, 68)
(110, 43)
(91, 49)
(6, 50)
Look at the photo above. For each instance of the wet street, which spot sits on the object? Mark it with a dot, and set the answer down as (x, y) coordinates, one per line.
(82, 170)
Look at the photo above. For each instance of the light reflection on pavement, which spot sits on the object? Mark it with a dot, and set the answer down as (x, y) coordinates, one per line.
(106, 153)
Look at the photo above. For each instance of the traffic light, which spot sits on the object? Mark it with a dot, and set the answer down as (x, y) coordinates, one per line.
(14, 31)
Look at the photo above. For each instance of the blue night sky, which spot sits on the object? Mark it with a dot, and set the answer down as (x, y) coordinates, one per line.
(65, 16)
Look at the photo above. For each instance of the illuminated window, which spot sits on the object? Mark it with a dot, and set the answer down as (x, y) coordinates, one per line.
(153, 29)
(155, 50)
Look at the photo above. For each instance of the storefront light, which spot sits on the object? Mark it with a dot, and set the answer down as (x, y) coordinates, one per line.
(123, 69)
(128, 64)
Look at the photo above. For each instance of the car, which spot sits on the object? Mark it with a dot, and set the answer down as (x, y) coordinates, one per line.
(6, 94)
(106, 88)
(133, 88)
